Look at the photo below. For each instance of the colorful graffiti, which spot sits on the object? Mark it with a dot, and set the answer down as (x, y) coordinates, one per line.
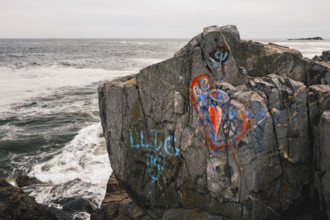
(156, 157)
(225, 121)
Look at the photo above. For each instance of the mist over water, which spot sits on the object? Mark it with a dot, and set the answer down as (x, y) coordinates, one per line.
(49, 117)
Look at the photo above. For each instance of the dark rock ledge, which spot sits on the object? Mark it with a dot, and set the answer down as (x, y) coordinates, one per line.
(226, 129)
(16, 204)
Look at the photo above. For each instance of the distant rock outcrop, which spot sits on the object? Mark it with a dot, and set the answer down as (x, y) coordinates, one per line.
(15, 204)
(226, 129)
(308, 38)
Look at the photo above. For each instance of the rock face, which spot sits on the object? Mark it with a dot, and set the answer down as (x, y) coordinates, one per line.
(226, 129)
(15, 204)
(118, 205)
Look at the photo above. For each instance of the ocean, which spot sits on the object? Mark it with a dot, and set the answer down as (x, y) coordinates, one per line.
(49, 118)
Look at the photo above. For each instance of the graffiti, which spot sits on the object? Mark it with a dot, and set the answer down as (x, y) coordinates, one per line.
(219, 57)
(225, 121)
(156, 160)
(156, 164)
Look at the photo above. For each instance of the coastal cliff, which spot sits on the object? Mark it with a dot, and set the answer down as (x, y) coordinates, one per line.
(226, 129)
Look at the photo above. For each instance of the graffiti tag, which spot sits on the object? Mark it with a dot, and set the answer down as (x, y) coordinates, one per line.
(156, 160)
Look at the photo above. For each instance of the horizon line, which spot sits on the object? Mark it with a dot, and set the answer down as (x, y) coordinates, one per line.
(131, 38)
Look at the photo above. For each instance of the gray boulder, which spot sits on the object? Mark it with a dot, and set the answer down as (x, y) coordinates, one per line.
(222, 129)
(325, 57)
(319, 106)
(325, 160)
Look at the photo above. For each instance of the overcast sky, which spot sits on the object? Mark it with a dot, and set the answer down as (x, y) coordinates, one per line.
(162, 18)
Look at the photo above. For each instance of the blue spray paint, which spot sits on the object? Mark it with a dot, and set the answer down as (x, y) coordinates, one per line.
(202, 98)
(161, 143)
(156, 160)
(177, 150)
(155, 164)
(232, 113)
(219, 95)
(131, 138)
(142, 144)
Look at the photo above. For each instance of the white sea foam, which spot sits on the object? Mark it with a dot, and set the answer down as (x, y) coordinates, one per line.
(18, 84)
(85, 157)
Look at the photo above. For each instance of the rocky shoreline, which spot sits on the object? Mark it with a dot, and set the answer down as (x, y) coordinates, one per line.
(16, 204)
(226, 129)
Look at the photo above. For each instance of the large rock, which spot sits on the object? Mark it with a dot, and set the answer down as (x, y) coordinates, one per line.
(15, 204)
(326, 55)
(325, 160)
(319, 114)
(222, 128)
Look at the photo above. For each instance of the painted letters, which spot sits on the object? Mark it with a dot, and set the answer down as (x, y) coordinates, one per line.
(156, 160)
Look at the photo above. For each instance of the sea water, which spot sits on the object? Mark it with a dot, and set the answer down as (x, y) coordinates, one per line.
(49, 118)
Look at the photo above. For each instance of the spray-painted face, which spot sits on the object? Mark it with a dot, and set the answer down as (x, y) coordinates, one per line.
(219, 57)
(221, 54)
(224, 120)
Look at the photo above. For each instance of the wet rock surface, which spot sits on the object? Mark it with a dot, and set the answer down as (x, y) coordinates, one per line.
(226, 129)
(15, 204)
(64, 207)
(69, 206)
(27, 181)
